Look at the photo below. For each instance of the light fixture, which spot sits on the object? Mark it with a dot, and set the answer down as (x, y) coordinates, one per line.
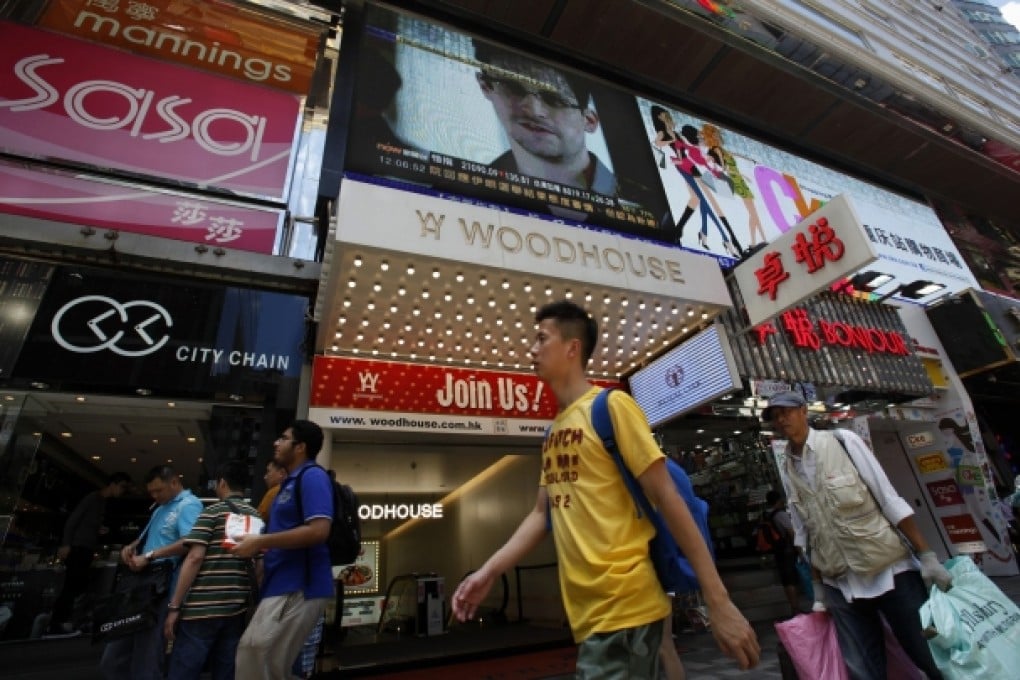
(870, 280)
(143, 391)
(915, 290)
(920, 289)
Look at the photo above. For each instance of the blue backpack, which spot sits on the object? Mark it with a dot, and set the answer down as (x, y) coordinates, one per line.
(675, 573)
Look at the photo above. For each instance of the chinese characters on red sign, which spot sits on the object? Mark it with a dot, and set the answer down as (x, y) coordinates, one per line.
(811, 335)
(813, 252)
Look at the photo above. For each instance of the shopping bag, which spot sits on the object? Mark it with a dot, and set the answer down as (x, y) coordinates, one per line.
(975, 627)
(810, 640)
(898, 666)
(133, 606)
(812, 648)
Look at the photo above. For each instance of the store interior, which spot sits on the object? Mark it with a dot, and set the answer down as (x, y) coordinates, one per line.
(60, 446)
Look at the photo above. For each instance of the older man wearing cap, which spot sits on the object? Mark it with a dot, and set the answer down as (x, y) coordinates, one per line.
(847, 515)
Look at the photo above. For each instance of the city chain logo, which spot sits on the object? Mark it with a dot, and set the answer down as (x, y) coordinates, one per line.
(109, 333)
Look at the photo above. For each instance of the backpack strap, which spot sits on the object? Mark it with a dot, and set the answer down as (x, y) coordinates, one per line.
(602, 423)
(838, 435)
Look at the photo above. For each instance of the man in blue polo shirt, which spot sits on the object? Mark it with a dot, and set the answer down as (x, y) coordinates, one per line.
(298, 578)
(141, 655)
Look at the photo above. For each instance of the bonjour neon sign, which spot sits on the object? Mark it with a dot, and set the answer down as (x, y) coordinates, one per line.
(809, 335)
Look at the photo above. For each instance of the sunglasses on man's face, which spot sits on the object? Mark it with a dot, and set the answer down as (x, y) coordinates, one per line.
(514, 89)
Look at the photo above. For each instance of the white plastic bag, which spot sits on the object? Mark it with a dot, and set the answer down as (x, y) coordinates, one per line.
(238, 525)
(976, 627)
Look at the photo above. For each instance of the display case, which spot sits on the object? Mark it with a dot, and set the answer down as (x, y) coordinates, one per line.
(734, 478)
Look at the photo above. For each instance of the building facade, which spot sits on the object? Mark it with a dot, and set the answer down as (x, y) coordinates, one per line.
(999, 34)
(345, 178)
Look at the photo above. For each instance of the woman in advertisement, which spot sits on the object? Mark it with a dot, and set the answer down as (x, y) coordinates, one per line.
(738, 183)
(704, 178)
(667, 136)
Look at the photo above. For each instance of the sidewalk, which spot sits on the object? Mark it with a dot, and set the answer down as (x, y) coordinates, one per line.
(511, 653)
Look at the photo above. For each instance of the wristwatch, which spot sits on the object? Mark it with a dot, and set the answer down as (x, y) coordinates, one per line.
(149, 555)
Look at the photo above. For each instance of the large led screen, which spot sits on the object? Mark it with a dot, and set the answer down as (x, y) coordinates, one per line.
(693, 373)
(452, 112)
(461, 117)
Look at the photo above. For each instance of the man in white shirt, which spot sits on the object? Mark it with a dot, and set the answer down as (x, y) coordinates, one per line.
(846, 512)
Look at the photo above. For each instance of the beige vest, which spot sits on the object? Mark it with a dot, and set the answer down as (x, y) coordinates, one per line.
(846, 528)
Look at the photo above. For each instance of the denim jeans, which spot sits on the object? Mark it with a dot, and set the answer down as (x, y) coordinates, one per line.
(214, 640)
(860, 633)
(139, 656)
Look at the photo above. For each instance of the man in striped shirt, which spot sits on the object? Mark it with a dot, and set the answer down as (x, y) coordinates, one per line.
(207, 610)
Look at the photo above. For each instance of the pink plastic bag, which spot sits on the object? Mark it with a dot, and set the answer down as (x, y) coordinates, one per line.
(810, 639)
(898, 665)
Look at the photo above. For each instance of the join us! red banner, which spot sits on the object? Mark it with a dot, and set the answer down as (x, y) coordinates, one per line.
(415, 388)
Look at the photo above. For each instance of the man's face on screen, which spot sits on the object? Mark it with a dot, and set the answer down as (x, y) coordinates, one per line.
(539, 110)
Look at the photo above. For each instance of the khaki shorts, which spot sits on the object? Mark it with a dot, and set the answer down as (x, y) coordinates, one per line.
(628, 654)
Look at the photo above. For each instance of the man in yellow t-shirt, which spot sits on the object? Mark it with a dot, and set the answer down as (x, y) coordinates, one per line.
(612, 597)
(275, 474)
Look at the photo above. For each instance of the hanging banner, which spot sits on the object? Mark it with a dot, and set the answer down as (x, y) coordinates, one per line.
(395, 396)
(219, 37)
(34, 190)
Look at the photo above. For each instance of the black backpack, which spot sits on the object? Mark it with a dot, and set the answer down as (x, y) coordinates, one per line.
(344, 541)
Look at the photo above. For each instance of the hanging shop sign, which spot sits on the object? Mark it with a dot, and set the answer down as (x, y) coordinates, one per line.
(814, 334)
(693, 373)
(220, 37)
(65, 99)
(367, 394)
(827, 245)
(34, 190)
(832, 339)
(431, 227)
(105, 331)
